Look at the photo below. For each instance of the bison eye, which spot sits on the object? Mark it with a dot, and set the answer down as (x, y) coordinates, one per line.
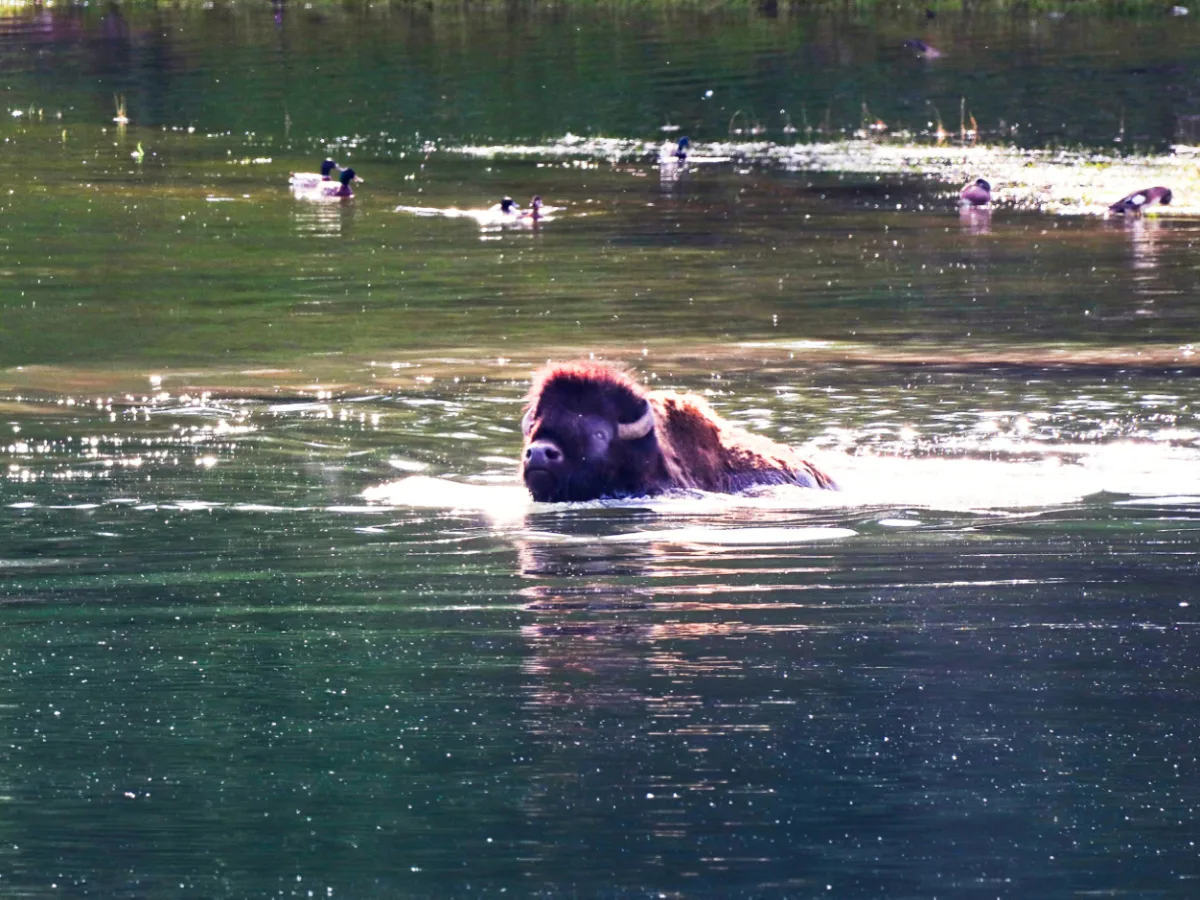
(600, 436)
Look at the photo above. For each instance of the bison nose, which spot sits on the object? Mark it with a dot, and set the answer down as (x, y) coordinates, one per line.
(544, 470)
(542, 455)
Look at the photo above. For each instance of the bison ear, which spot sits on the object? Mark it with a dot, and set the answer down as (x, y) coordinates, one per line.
(632, 431)
(527, 422)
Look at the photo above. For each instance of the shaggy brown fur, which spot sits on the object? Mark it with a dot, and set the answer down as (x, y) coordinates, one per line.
(574, 449)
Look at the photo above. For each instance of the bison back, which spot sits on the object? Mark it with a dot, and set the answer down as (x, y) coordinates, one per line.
(703, 451)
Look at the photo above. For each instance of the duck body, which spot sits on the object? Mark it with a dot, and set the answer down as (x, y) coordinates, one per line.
(924, 50)
(1135, 203)
(978, 193)
(506, 209)
(674, 153)
(534, 213)
(308, 181)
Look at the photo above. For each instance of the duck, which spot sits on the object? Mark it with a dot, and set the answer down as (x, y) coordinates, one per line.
(674, 153)
(923, 50)
(977, 193)
(330, 190)
(343, 189)
(507, 210)
(1133, 204)
(534, 213)
(307, 181)
(506, 207)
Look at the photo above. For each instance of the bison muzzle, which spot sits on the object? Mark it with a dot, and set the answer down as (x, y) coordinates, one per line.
(591, 431)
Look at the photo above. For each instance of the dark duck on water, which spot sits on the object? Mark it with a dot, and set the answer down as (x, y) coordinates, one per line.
(308, 181)
(1135, 203)
(674, 153)
(978, 193)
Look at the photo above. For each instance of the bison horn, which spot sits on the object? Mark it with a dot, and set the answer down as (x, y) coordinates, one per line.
(632, 431)
(527, 422)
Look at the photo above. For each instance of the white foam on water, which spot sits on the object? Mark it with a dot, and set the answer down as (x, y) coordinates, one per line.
(426, 492)
(951, 485)
(488, 219)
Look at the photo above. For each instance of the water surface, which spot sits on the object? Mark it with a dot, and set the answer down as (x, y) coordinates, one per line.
(281, 618)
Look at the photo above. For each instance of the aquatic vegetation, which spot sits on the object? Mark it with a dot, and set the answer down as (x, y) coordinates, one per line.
(121, 118)
(742, 124)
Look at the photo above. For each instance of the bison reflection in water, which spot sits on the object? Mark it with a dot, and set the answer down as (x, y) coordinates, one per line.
(591, 431)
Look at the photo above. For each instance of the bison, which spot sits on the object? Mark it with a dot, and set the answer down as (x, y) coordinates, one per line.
(591, 431)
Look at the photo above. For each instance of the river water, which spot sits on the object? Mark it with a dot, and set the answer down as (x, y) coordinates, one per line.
(281, 619)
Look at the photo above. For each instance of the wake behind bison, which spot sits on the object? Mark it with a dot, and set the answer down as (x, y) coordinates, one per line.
(591, 431)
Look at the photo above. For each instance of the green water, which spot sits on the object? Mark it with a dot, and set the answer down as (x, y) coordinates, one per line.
(281, 621)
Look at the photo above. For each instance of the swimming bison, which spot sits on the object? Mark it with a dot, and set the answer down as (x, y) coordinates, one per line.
(591, 431)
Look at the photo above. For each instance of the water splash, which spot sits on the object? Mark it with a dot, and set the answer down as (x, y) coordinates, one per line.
(489, 219)
(977, 486)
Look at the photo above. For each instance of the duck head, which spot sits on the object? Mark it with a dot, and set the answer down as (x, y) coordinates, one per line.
(681, 151)
(507, 205)
(346, 178)
(326, 167)
(1161, 194)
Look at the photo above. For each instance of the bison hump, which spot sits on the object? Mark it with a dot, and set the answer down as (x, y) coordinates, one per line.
(703, 451)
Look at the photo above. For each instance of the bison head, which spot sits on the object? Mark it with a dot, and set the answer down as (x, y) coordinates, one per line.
(589, 433)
